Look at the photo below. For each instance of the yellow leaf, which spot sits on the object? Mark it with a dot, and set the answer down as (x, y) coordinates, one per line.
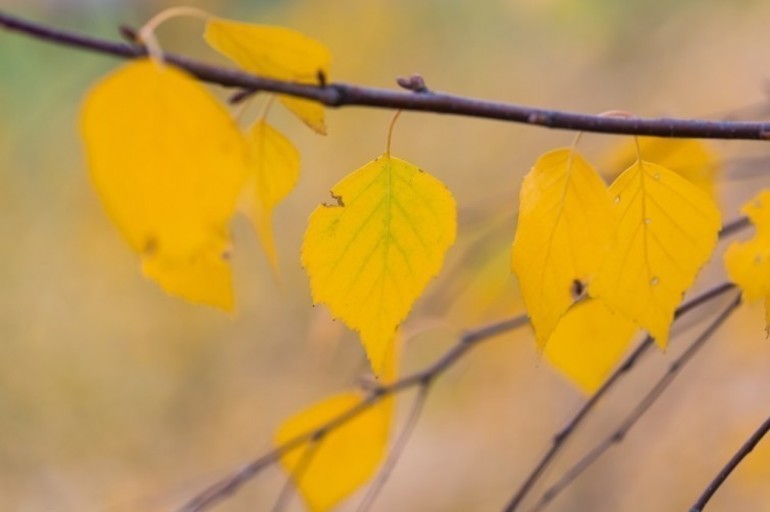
(370, 255)
(205, 278)
(588, 342)
(565, 228)
(273, 173)
(748, 263)
(692, 159)
(667, 229)
(275, 52)
(328, 470)
(168, 163)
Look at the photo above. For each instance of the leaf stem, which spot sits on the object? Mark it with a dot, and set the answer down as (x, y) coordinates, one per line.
(147, 36)
(390, 131)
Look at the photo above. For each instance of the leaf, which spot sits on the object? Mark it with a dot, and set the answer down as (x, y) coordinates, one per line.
(588, 342)
(565, 229)
(205, 278)
(748, 263)
(692, 159)
(275, 52)
(330, 469)
(168, 163)
(667, 229)
(371, 255)
(273, 174)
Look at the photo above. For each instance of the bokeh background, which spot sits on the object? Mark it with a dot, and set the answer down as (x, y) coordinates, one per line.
(115, 397)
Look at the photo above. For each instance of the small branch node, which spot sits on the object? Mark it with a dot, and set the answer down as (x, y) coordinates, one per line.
(241, 96)
(414, 83)
(538, 117)
(130, 34)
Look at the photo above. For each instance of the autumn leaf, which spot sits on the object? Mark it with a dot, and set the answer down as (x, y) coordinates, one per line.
(692, 159)
(168, 163)
(275, 52)
(667, 229)
(588, 342)
(565, 228)
(370, 255)
(273, 173)
(748, 263)
(204, 278)
(327, 470)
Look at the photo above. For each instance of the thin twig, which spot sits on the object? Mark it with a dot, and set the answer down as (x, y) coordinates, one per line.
(560, 438)
(395, 453)
(733, 463)
(229, 485)
(294, 479)
(638, 412)
(340, 95)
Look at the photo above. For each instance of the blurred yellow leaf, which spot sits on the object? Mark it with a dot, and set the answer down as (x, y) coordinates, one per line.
(748, 263)
(692, 159)
(588, 342)
(205, 278)
(327, 470)
(168, 163)
(565, 228)
(370, 255)
(667, 230)
(275, 52)
(273, 173)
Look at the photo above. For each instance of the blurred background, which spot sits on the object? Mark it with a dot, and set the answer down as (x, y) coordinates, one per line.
(116, 397)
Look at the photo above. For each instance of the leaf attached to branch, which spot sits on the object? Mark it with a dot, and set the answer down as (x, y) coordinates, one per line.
(275, 52)
(667, 230)
(565, 229)
(370, 255)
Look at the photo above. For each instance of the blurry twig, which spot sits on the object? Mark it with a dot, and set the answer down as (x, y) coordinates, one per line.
(638, 412)
(395, 452)
(561, 437)
(340, 94)
(421, 380)
(736, 459)
(295, 477)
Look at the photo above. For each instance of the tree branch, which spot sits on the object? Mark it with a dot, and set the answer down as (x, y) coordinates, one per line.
(736, 459)
(342, 95)
(636, 414)
(421, 379)
(561, 437)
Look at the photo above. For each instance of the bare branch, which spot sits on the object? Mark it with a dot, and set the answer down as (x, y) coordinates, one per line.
(341, 95)
(398, 448)
(736, 459)
(229, 485)
(638, 412)
(561, 437)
